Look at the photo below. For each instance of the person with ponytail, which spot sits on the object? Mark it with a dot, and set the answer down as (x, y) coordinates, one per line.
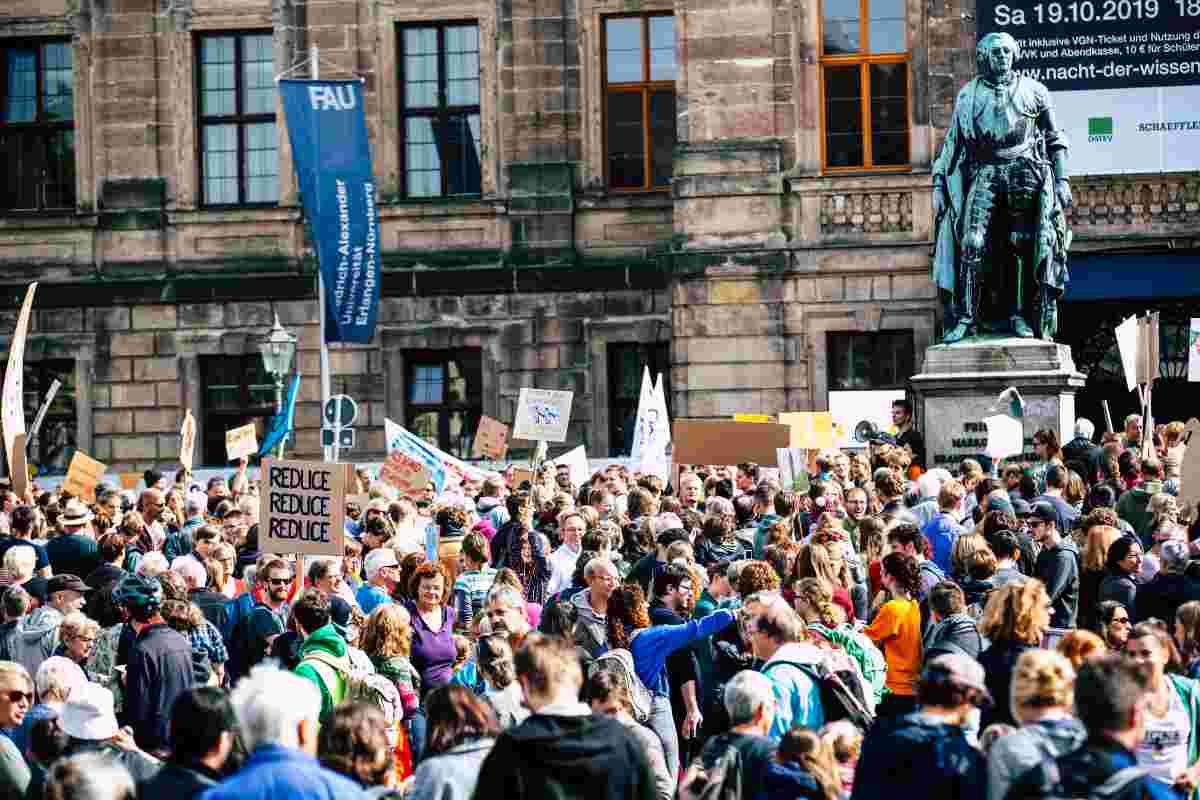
(896, 630)
(1015, 620)
(628, 624)
(826, 623)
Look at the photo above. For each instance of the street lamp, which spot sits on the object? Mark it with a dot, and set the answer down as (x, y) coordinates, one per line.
(278, 349)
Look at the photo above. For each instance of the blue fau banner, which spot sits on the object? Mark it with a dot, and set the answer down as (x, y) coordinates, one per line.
(281, 423)
(328, 133)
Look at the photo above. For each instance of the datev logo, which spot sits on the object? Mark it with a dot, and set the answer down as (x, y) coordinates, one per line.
(1100, 129)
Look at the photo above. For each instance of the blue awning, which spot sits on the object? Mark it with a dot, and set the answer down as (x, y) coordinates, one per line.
(1129, 276)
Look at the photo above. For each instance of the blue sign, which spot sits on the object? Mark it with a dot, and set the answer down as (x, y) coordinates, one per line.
(328, 133)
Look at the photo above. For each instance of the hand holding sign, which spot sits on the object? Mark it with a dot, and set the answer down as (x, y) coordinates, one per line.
(241, 442)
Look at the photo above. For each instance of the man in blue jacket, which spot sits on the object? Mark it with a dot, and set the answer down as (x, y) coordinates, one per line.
(278, 713)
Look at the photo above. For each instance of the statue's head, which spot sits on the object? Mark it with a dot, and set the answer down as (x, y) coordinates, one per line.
(996, 54)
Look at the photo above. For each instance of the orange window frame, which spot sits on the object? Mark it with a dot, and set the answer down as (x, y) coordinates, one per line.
(864, 60)
(646, 87)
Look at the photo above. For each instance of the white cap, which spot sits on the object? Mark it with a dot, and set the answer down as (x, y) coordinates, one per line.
(89, 714)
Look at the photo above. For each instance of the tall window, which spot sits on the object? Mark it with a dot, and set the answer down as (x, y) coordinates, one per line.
(639, 95)
(237, 390)
(439, 102)
(865, 83)
(882, 360)
(445, 397)
(625, 363)
(37, 126)
(239, 140)
(55, 443)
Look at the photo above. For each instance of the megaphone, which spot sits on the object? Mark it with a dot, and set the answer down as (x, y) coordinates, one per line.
(864, 431)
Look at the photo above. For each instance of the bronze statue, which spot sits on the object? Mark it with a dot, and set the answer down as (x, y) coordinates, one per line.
(999, 194)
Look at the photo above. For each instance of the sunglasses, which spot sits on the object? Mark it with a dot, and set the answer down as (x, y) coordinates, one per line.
(17, 696)
(278, 581)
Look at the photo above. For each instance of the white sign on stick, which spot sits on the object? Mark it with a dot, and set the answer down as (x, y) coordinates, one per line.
(543, 415)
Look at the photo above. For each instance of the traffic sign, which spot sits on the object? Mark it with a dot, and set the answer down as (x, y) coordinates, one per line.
(343, 437)
(340, 411)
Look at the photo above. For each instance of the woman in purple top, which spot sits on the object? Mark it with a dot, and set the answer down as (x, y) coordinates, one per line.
(433, 650)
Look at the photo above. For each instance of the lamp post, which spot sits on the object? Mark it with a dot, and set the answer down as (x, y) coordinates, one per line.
(278, 349)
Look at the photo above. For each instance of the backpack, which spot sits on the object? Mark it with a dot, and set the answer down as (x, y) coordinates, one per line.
(719, 779)
(620, 662)
(841, 696)
(1045, 782)
(361, 686)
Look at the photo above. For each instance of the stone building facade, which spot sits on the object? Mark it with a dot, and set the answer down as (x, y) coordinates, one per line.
(735, 192)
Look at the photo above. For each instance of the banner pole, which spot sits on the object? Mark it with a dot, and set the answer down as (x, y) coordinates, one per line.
(315, 74)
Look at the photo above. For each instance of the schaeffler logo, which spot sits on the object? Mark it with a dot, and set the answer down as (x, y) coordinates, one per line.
(1100, 129)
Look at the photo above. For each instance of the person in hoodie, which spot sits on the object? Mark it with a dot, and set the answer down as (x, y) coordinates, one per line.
(953, 630)
(324, 657)
(35, 636)
(1043, 688)
(926, 753)
(1134, 505)
(943, 528)
(1057, 565)
(591, 605)
(159, 665)
(562, 750)
(491, 506)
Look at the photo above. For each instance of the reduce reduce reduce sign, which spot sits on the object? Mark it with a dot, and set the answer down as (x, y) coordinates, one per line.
(303, 507)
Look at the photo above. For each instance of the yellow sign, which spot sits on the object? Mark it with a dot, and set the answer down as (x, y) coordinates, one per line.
(751, 417)
(811, 430)
(129, 480)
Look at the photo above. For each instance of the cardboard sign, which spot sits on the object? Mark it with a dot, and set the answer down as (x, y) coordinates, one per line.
(751, 417)
(810, 430)
(83, 474)
(543, 415)
(576, 462)
(12, 407)
(129, 480)
(187, 441)
(1189, 473)
(20, 474)
(724, 442)
(491, 440)
(303, 507)
(242, 441)
(404, 472)
(521, 475)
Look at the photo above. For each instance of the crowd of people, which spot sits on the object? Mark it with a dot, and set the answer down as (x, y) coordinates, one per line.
(1033, 632)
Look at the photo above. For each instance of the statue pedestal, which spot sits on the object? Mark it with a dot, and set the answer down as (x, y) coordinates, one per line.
(960, 383)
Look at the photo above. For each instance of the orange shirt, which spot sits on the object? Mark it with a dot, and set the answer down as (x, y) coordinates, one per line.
(897, 631)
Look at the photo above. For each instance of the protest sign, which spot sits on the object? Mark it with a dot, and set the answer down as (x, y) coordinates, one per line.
(810, 430)
(12, 406)
(491, 440)
(241, 442)
(751, 417)
(542, 415)
(652, 430)
(20, 469)
(83, 474)
(793, 468)
(303, 507)
(187, 441)
(327, 128)
(1005, 436)
(129, 480)
(1127, 346)
(576, 461)
(414, 448)
(521, 475)
(1189, 473)
(726, 442)
(407, 474)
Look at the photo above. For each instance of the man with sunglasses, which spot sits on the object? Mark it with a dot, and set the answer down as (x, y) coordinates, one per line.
(16, 698)
(269, 617)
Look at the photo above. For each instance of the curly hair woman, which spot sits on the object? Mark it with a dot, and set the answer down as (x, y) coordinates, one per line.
(1015, 619)
(896, 630)
(628, 622)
